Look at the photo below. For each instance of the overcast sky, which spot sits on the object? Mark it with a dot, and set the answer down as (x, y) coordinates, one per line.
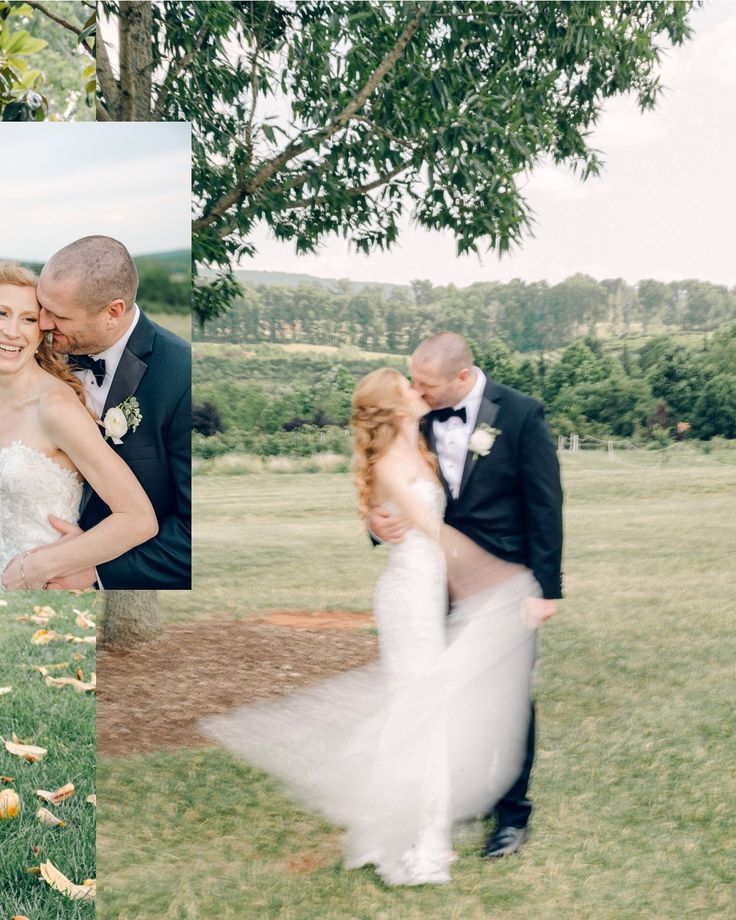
(63, 181)
(664, 206)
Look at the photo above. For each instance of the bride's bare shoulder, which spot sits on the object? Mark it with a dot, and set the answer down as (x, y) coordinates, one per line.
(58, 403)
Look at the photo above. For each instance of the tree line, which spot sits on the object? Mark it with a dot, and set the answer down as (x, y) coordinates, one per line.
(270, 404)
(534, 316)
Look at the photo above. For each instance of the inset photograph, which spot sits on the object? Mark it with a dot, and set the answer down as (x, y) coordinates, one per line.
(95, 369)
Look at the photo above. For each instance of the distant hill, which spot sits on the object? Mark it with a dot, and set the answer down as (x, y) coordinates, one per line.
(174, 260)
(293, 279)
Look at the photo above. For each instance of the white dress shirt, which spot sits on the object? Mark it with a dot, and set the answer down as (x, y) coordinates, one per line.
(97, 395)
(451, 437)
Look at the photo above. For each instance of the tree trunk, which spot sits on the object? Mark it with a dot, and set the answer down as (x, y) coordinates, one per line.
(136, 61)
(131, 618)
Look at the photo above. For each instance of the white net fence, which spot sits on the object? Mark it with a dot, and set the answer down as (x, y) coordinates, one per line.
(680, 453)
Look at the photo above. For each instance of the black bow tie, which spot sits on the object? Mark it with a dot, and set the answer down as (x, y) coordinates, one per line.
(441, 415)
(87, 362)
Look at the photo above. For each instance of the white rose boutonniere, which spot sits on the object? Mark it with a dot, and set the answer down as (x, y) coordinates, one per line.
(482, 440)
(121, 419)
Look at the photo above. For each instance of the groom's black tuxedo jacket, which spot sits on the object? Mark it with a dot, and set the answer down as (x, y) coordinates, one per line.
(156, 368)
(510, 501)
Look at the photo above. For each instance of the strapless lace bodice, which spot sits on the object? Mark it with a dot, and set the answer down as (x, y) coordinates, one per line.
(32, 486)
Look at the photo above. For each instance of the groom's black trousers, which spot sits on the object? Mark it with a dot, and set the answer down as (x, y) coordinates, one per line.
(514, 808)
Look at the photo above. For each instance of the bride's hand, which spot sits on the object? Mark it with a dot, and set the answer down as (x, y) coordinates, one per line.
(25, 571)
(389, 528)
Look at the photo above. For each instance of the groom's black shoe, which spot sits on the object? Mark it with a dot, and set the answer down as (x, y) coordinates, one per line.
(504, 840)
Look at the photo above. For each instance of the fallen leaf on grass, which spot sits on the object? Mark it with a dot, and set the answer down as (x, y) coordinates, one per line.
(29, 752)
(92, 799)
(54, 798)
(44, 636)
(9, 805)
(45, 668)
(57, 880)
(6, 779)
(44, 611)
(36, 851)
(83, 619)
(4, 690)
(90, 640)
(45, 817)
(79, 685)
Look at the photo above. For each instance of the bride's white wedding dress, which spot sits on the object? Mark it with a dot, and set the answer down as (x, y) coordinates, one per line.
(433, 734)
(32, 486)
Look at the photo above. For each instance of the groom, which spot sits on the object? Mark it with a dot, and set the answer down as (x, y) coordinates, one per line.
(507, 500)
(87, 294)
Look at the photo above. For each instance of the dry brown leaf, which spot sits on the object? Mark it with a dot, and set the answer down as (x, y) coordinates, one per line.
(79, 685)
(6, 779)
(89, 640)
(92, 799)
(29, 752)
(36, 851)
(4, 690)
(45, 817)
(44, 612)
(45, 668)
(57, 880)
(44, 636)
(83, 619)
(9, 805)
(58, 796)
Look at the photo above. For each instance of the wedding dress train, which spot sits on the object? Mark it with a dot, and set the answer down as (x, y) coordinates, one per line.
(32, 486)
(434, 733)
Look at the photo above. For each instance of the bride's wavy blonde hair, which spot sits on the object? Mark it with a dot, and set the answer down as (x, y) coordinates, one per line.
(46, 357)
(375, 426)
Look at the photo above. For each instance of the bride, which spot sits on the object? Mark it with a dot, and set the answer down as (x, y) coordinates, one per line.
(49, 445)
(401, 751)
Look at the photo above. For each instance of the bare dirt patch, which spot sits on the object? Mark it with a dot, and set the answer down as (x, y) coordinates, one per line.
(150, 699)
(328, 619)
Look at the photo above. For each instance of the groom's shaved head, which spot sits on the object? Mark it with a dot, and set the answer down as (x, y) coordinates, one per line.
(446, 352)
(100, 267)
(442, 370)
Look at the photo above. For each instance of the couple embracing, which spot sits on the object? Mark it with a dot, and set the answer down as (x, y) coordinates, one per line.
(95, 423)
(459, 475)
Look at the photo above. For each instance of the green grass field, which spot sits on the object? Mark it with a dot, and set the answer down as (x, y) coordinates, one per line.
(62, 721)
(633, 784)
(178, 323)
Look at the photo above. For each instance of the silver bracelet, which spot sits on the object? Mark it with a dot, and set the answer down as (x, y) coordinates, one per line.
(22, 571)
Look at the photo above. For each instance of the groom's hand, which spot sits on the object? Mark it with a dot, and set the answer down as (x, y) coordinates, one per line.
(539, 609)
(388, 528)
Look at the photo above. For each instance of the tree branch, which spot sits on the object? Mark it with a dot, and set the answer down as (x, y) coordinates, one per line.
(106, 81)
(64, 23)
(101, 113)
(321, 199)
(174, 71)
(353, 192)
(295, 148)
